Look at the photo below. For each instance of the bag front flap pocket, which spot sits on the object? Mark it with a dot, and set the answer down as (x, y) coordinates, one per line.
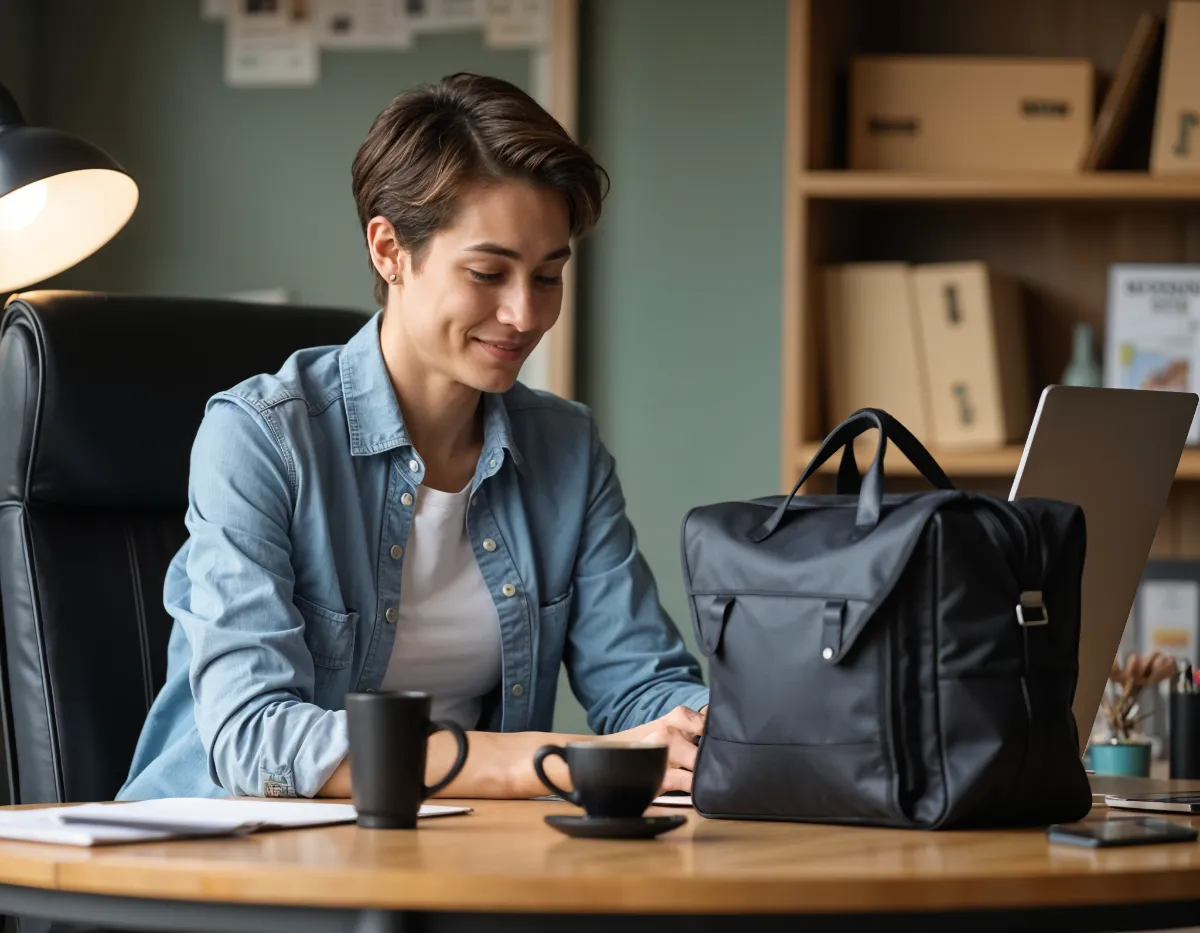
(328, 634)
(710, 613)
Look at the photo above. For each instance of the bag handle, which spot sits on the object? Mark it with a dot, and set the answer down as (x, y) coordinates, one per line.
(869, 487)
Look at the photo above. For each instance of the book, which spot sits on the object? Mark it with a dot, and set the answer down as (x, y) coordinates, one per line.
(96, 824)
(1117, 108)
(1153, 329)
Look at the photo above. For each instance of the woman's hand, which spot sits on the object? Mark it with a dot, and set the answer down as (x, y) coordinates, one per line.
(678, 730)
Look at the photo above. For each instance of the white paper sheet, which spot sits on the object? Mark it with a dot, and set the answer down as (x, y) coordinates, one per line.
(271, 43)
(156, 820)
(363, 24)
(514, 24)
(446, 15)
(674, 800)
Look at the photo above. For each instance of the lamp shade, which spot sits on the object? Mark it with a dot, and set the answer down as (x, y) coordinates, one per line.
(61, 199)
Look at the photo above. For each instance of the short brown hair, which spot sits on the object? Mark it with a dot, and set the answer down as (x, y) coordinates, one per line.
(435, 138)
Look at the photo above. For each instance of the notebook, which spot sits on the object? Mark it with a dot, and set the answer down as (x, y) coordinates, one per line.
(673, 800)
(96, 824)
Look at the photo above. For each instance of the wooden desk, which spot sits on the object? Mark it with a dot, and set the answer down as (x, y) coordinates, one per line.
(503, 868)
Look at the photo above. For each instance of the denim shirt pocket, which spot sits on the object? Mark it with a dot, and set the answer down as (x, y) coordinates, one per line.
(557, 608)
(328, 634)
(554, 614)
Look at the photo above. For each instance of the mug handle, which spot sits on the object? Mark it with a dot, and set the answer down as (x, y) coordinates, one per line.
(456, 730)
(548, 751)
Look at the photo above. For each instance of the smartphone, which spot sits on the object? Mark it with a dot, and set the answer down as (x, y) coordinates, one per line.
(1133, 831)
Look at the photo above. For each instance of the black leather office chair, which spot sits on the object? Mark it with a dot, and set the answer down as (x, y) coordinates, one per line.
(100, 399)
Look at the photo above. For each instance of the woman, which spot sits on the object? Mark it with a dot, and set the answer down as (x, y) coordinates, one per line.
(400, 513)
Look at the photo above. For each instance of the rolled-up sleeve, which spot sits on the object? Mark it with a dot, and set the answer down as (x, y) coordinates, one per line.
(626, 660)
(251, 674)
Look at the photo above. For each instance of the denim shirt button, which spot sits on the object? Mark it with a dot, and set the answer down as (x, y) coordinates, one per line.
(390, 615)
(489, 544)
(407, 498)
(517, 690)
(397, 551)
(508, 590)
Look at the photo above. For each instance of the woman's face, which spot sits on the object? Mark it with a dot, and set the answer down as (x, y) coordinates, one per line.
(488, 286)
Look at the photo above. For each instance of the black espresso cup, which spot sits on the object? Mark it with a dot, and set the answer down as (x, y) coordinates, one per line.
(388, 736)
(611, 780)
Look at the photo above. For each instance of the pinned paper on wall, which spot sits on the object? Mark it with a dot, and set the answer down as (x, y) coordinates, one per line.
(445, 15)
(364, 24)
(271, 43)
(215, 11)
(513, 24)
(1170, 617)
(262, 296)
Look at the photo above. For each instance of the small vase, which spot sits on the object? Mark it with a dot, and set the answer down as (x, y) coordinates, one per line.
(1127, 759)
(1083, 370)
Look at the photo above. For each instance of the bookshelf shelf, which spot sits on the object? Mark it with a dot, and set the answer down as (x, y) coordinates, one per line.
(999, 462)
(1085, 186)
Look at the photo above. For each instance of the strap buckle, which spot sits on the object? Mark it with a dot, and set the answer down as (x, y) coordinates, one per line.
(1031, 610)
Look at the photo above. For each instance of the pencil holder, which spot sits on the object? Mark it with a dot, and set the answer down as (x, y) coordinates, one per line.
(1185, 735)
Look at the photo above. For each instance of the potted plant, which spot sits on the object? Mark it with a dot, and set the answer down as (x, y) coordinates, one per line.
(1127, 752)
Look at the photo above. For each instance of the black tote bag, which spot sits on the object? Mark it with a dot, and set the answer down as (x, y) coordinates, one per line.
(890, 660)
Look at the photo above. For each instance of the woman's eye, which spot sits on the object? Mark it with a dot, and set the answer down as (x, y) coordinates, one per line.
(486, 276)
(549, 280)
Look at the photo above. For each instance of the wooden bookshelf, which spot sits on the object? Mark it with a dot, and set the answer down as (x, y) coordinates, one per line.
(997, 463)
(1057, 233)
(904, 186)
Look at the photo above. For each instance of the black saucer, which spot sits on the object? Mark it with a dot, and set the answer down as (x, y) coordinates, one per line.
(634, 827)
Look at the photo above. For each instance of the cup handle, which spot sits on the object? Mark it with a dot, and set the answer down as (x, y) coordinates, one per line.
(548, 751)
(456, 730)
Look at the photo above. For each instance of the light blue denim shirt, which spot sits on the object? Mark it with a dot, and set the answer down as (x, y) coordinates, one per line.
(299, 507)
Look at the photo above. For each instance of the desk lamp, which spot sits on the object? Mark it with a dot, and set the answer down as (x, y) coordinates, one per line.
(61, 199)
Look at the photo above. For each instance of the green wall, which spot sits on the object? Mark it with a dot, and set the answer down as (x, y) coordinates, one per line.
(680, 286)
(684, 102)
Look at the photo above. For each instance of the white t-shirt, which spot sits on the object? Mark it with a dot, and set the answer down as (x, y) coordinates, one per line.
(447, 629)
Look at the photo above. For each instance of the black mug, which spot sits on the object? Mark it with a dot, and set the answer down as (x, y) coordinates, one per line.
(612, 780)
(388, 736)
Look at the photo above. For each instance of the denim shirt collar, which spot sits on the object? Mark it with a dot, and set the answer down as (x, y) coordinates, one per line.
(373, 412)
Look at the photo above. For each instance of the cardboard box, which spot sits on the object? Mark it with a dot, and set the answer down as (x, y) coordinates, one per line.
(972, 336)
(924, 113)
(1153, 322)
(873, 360)
(1176, 146)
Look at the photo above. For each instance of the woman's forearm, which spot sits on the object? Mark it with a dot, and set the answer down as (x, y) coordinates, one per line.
(499, 765)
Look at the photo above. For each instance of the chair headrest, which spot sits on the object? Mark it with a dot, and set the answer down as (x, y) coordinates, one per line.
(101, 395)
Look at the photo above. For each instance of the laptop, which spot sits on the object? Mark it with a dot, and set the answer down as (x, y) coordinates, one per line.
(1114, 452)
(1174, 802)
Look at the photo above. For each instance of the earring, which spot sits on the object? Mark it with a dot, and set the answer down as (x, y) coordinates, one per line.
(392, 277)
